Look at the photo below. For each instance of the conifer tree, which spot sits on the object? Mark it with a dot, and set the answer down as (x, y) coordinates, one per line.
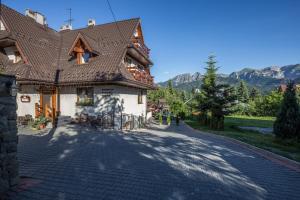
(208, 90)
(287, 123)
(170, 87)
(254, 93)
(217, 98)
(242, 92)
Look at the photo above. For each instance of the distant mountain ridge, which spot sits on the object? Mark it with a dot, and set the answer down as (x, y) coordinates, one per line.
(264, 79)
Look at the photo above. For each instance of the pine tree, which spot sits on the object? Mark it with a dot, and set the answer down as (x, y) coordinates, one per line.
(254, 93)
(217, 98)
(242, 92)
(170, 87)
(208, 90)
(287, 123)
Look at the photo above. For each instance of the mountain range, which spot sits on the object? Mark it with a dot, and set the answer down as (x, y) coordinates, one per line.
(264, 79)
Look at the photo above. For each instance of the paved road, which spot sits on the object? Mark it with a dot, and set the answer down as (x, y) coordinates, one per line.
(159, 163)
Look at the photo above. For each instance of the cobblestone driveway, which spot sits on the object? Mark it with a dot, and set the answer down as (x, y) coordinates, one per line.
(159, 163)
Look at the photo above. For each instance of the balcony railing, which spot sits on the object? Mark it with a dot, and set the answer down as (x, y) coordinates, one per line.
(141, 75)
(138, 43)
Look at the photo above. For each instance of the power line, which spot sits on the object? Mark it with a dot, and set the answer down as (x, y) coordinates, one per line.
(114, 16)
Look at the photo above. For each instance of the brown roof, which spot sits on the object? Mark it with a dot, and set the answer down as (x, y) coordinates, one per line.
(47, 51)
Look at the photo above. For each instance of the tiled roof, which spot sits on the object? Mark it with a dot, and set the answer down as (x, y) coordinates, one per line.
(46, 50)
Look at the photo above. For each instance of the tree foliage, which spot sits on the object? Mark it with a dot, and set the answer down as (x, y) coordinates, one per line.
(242, 92)
(287, 123)
(217, 99)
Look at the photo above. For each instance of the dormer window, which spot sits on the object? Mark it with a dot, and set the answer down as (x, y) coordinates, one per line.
(13, 54)
(86, 56)
(81, 50)
(2, 27)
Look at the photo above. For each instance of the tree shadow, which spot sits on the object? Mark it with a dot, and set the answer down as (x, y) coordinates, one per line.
(154, 163)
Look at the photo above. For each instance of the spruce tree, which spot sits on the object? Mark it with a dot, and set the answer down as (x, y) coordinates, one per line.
(217, 98)
(254, 93)
(208, 90)
(287, 123)
(242, 92)
(170, 87)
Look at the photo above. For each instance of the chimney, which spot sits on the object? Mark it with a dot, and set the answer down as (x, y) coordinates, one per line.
(66, 27)
(38, 17)
(91, 22)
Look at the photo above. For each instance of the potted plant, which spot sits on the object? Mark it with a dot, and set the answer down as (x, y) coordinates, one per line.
(40, 123)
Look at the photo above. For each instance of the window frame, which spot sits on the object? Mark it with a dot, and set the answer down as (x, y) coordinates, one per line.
(88, 100)
(140, 97)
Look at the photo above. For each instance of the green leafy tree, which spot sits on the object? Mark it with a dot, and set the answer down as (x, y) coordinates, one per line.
(287, 123)
(269, 105)
(242, 92)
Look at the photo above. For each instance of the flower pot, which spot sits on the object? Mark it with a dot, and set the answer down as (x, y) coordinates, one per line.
(42, 126)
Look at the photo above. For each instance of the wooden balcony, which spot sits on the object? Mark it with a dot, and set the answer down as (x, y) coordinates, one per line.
(138, 43)
(141, 75)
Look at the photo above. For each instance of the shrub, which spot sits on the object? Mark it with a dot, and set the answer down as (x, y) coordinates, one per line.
(160, 119)
(169, 119)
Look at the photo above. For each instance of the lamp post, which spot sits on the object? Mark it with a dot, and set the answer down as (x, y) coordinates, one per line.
(13, 89)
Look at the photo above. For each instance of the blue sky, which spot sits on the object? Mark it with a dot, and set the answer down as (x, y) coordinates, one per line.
(182, 33)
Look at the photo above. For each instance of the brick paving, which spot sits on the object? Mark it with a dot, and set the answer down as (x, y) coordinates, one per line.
(162, 162)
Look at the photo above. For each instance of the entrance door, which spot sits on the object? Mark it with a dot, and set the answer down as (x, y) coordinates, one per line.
(48, 103)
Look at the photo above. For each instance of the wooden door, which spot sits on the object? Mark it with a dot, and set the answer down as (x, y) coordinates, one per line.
(48, 103)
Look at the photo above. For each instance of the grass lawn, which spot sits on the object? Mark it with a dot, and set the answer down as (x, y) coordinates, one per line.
(289, 149)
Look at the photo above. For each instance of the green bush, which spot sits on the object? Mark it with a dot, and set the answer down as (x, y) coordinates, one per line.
(39, 121)
(160, 119)
(169, 119)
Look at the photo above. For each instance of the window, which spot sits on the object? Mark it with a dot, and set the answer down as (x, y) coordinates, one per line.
(85, 57)
(107, 92)
(85, 96)
(140, 97)
(2, 27)
(18, 57)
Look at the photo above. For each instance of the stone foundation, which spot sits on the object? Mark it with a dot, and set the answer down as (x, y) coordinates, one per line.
(8, 135)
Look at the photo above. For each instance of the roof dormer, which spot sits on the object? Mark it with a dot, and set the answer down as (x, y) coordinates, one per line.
(82, 49)
(10, 48)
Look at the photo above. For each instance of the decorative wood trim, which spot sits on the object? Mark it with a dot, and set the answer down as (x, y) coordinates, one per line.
(84, 41)
(24, 58)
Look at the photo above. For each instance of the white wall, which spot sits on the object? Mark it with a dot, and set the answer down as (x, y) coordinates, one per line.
(25, 108)
(68, 98)
(10, 52)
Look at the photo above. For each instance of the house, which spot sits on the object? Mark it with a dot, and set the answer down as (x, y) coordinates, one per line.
(283, 87)
(96, 70)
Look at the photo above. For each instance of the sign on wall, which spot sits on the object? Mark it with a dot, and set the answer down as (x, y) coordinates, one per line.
(25, 98)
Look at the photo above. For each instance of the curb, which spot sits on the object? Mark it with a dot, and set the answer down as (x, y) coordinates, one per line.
(286, 162)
